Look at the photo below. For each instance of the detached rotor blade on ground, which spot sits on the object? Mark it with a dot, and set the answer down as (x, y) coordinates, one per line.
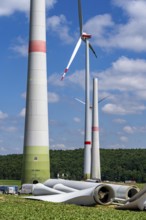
(72, 57)
(80, 17)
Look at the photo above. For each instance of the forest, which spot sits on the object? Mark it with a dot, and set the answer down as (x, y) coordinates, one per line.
(116, 165)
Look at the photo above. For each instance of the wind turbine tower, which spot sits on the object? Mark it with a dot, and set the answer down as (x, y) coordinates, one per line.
(36, 166)
(87, 139)
(95, 153)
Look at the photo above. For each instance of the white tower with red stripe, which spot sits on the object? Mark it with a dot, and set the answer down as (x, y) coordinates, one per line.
(87, 139)
(95, 153)
(36, 139)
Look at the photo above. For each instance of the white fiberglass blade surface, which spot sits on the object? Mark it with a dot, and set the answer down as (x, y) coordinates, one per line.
(64, 188)
(80, 17)
(90, 46)
(80, 101)
(121, 191)
(96, 195)
(41, 189)
(82, 197)
(72, 57)
(137, 202)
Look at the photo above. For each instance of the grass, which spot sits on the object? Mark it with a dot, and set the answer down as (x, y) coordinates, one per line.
(10, 182)
(16, 207)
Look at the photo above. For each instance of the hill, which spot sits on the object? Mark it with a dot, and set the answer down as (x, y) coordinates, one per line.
(116, 165)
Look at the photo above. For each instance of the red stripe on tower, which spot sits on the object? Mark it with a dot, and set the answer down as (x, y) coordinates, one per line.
(95, 129)
(37, 46)
(87, 142)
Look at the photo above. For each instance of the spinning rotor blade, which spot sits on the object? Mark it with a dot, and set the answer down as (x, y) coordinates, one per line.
(91, 106)
(80, 17)
(90, 46)
(103, 99)
(72, 57)
(80, 101)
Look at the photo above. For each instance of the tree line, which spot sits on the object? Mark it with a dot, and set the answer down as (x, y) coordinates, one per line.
(116, 164)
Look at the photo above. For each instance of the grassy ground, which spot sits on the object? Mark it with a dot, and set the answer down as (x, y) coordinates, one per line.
(16, 207)
(10, 182)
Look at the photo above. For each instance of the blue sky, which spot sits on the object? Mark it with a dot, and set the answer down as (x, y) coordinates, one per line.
(118, 29)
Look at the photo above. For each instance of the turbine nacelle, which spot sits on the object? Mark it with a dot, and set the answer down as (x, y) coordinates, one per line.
(85, 36)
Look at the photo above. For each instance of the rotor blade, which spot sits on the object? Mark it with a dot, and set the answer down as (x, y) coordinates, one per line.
(72, 57)
(90, 46)
(103, 99)
(80, 101)
(80, 17)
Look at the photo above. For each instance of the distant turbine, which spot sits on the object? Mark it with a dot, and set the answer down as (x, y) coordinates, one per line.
(36, 167)
(100, 100)
(95, 153)
(87, 142)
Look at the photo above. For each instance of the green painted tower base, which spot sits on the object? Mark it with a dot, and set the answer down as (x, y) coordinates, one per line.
(87, 176)
(36, 165)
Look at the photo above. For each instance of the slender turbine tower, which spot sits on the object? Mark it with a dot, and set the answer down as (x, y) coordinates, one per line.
(95, 153)
(87, 141)
(36, 138)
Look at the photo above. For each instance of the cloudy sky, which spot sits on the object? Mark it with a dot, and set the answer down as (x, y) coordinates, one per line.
(118, 29)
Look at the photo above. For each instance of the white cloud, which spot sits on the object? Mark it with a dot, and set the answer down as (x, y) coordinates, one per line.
(3, 150)
(10, 129)
(3, 115)
(126, 79)
(98, 25)
(59, 25)
(125, 74)
(23, 95)
(120, 121)
(129, 129)
(82, 132)
(55, 79)
(123, 139)
(53, 97)
(123, 108)
(20, 47)
(115, 109)
(76, 119)
(132, 7)
(8, 7)
(128, 35)
(22, 113)
(58, 147)
(132, 129)
(77, 78)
